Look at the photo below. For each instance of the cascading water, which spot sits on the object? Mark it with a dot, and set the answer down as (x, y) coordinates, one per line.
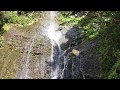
(59, 61)
(50, 29)
(54, 37)
(26, 58)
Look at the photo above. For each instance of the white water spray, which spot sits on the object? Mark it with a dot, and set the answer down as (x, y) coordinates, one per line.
(54, 37)
(52, 33)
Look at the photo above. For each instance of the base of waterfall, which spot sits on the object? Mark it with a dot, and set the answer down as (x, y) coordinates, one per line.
(55, 77)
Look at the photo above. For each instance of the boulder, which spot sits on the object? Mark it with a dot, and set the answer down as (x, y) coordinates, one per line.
(75, 52)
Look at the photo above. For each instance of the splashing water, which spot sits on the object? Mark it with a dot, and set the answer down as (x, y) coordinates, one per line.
(52, 33)
(54, 37)
(50, 27)
(58, 60)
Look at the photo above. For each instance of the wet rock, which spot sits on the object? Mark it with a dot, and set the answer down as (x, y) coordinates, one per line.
(60, 28)
(73, 69)
(20, 36)
(82, 63)
(73, 34)
(88, 76)
(71, 54)
(36, 53)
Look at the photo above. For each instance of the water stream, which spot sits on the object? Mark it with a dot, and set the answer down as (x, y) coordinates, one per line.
(26, 58)
(54, 36)
(59, 62)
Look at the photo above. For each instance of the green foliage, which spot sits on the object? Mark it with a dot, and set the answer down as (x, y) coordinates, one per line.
(67, 18)
(110, 45)
(6, 27)
(22, 19)
(2, 41)
(87, 21)
(113, 74)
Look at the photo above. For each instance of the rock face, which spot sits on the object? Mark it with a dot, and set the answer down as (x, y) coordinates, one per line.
(25, 53)
(82, 62)
(77, 60)
(37, 61)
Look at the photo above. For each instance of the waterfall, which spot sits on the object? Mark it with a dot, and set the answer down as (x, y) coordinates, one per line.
(54, 37)
(59, 61)
(26, 59)
(52, 33)
(49, 28)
